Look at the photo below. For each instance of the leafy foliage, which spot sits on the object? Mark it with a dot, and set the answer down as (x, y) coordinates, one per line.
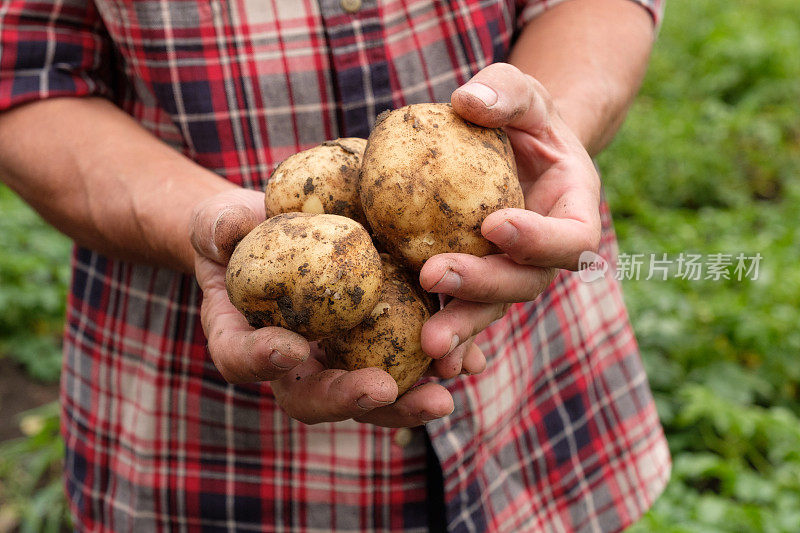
(707, 163)
(31, 491)
(34, 271)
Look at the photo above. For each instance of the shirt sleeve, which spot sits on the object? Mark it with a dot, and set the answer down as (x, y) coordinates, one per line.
(51, 48)
(529, 9)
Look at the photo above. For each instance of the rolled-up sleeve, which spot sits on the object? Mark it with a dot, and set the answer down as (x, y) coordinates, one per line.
(51, 48)
(529, 9)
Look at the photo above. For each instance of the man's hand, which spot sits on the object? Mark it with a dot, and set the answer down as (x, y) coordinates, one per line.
(561, 218)
(303, 387)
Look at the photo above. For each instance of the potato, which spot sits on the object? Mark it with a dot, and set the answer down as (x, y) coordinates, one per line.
(429, 178)
(389, 338)
(317, 275)
(323, 179)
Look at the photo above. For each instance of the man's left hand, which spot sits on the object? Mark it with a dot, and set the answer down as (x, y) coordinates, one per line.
(561, 218)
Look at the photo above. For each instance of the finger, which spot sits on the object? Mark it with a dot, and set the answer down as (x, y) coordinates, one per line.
(450, 365)
(312, 394)
(243, 354)
(474, 361)
(220, 222)
(554, 240)
(418, 406)
(502, 95)
(492, 278)
(457, 322)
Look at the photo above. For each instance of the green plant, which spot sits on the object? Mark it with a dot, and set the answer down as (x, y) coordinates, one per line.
(31, 490)
(707, 163)
(34, 273)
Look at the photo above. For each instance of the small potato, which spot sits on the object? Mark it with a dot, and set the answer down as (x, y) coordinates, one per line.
(316, 275)
(323, 179)
(389, 338)
(429, 179)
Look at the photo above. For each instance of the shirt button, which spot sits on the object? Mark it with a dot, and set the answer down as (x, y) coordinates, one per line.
(351, 6)
(402, 437)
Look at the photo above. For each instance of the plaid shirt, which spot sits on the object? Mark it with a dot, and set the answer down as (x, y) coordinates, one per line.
(558, 434)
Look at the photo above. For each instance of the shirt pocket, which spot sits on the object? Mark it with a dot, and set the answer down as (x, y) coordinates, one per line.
(163, 42)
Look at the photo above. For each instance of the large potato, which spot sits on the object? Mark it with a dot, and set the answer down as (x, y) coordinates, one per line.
(323, 179)
(429, 178)
(316, 275)
(389, 338)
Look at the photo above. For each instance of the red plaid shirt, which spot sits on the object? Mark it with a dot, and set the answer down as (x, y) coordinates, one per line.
(558, 434)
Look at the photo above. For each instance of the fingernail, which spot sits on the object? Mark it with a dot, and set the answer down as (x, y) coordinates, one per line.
(215, 228)
(453, 343)
(425, 416)
(482, 92)
(503, 234)
(450, 282)
(368, 402)
(282, 361)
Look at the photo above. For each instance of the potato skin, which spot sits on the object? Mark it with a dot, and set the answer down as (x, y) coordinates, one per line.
(323, 179)
(429, 179)
(389, 338)
(316, 275)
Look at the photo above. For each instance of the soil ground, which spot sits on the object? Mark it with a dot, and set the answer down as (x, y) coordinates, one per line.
(18, 393)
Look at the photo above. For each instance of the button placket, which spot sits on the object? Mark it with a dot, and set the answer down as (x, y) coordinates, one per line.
(359, 63)
(402, 437)
(351, 6)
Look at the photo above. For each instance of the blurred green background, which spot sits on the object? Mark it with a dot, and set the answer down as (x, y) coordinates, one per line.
(706, 163)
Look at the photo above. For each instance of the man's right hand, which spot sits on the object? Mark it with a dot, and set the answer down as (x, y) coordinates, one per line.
(303, 387)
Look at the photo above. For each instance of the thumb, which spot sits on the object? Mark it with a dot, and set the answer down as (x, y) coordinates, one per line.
(502, 95)
(220, 222)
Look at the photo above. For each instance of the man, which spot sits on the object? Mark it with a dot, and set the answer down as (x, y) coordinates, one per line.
(178, 416)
